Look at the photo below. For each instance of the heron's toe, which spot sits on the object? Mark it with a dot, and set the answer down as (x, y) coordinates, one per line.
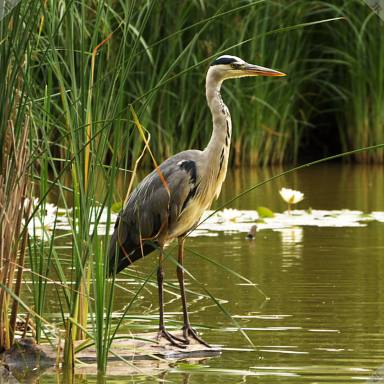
(174, 340)
(189, 332)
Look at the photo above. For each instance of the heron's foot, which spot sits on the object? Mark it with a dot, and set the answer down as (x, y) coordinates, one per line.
(189, 332)
(174, 340)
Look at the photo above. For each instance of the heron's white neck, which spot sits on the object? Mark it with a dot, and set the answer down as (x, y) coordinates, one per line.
(218, 147)
(217, 150)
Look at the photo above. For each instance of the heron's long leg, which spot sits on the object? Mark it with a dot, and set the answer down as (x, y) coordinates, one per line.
(187, 329)
(162, 331)
(180, 277)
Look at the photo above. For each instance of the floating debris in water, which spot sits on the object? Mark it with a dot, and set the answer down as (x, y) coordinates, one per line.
(252, 232)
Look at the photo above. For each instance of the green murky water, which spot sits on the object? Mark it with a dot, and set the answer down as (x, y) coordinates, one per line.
(324, 319)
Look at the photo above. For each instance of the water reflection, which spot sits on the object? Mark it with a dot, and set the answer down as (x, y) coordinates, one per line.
(324, 321)
(291, 246)
(377, 376)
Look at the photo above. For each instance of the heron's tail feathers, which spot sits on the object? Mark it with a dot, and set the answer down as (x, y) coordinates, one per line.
(124, 254)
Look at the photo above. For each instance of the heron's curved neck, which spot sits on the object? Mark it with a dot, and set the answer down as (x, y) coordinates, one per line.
(218, 146)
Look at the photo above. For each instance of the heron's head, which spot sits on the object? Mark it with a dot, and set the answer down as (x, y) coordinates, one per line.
(231, 67)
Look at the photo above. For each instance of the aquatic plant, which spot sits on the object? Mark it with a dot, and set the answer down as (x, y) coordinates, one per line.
(16, 37)
(291, 196)
(354, 54)
(165, 42)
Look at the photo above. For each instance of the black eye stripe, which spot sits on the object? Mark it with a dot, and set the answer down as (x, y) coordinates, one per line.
(224, 60)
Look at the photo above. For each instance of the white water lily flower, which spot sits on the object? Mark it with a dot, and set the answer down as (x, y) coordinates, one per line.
(229, 214)
(291, 196)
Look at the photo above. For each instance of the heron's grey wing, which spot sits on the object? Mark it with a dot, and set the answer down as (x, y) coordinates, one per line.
(152, 208)
(160, 198)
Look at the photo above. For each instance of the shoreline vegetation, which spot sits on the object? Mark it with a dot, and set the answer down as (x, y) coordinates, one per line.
(75, 74)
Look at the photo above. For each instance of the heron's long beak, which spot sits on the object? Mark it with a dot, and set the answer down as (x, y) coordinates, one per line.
(256, 70)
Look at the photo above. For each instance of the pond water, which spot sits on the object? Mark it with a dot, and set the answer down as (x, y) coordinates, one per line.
(323, 318)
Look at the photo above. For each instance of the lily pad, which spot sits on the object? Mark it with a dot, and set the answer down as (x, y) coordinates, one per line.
(212, 223)
(264, 212)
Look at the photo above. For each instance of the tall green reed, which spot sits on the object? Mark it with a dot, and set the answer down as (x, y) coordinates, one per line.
(70, 40)
(85, 131)
(268, 124)
(162, 48)
(355, 50)
(16, 47)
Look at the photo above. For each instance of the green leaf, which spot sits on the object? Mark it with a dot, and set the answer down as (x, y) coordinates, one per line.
(264, 212)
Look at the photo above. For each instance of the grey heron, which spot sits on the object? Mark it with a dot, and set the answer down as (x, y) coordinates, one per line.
(170, 201)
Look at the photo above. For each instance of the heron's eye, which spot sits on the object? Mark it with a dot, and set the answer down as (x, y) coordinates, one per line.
(235, 66)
